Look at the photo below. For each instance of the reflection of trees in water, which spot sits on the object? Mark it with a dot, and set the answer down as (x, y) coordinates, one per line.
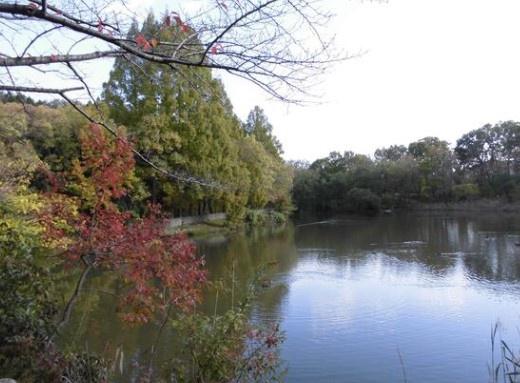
(481, 246)
(95, 326)
(269, 249)
(486, 244)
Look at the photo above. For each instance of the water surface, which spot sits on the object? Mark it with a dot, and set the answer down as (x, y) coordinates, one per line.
(364, 299)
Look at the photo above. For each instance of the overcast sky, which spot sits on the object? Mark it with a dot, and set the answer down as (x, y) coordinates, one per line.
(430, 67)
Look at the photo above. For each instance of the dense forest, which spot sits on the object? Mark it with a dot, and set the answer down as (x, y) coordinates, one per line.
(235, 166)
(181, 120)
(485, 163)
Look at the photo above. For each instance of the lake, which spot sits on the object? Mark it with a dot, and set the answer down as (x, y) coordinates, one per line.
(399, 298)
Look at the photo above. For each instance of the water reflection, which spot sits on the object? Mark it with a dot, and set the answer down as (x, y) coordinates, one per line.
(353, 293)
(488, 245)
(429, 286)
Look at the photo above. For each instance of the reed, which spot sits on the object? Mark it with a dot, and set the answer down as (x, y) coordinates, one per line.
(504, 367)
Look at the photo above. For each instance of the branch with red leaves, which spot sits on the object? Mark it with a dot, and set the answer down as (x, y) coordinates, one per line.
(276, 44)
(157, 269)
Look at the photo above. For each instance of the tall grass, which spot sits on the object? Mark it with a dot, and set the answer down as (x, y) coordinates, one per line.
(504, 367)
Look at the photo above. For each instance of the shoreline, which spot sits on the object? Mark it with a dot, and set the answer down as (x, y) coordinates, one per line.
(470, 206)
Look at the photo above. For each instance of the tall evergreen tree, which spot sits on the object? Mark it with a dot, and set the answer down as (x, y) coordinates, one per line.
(183, 121)
(259, 126)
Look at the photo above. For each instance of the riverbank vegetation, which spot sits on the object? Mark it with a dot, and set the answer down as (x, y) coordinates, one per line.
(484, 164)
(232, 164)
(59, 223)
(88, 189)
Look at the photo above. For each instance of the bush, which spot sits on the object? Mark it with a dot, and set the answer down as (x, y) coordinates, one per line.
(363, 201)
(227, 347)
(255, 217)
(389, 200)
(507, 186)
(26, 317)
(277, 218)
(465, 192)
(27, 325)
(261, 217)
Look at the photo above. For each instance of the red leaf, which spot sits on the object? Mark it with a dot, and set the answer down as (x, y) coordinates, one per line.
(141, 42)
(216, 48)
(181, 24)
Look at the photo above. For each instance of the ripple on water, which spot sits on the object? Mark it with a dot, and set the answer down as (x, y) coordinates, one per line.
(346, 311)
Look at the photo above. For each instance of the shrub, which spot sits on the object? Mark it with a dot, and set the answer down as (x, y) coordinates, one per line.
(465, 192)
(277, 218)
(261, 217)
(227, 347)
(255, 217)
(26, 317)
(363, 201)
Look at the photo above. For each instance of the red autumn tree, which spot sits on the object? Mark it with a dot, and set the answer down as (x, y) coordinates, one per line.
(157, 269)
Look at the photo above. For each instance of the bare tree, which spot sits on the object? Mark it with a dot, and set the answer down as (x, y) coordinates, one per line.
(279, 45)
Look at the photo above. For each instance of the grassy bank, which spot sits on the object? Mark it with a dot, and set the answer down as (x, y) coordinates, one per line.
(253, 218)
(204, 229)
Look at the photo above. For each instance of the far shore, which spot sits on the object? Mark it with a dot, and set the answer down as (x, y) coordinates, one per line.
(484, 205)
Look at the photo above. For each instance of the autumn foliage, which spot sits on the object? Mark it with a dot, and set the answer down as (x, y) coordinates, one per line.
(142, 42)
(83, 216)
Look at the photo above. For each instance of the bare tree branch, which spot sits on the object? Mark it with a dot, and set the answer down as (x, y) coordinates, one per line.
(253, 30)
(43, 60)
(232, 25)
(37, 37)
(28, 89)
(73, 298)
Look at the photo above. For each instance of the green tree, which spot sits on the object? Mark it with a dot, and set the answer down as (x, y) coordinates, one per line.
(259, 126)
(392, 153)
(436, 163)
(478, 151)
(183, 121)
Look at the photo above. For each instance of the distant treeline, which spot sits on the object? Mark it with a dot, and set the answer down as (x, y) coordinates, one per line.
(485, 163)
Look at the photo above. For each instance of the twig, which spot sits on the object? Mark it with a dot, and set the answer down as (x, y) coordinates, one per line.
(74, 297)
(405, 380)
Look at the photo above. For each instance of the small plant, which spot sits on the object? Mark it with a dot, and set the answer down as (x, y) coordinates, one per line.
(465, 192)
(261, 217)
(363, 201)
(255, 217)
(277, 218)
(227, 347)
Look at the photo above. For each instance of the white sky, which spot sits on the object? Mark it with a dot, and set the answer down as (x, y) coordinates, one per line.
(431, 67)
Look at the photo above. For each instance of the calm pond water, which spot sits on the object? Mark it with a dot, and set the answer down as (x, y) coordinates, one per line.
(361, 298)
